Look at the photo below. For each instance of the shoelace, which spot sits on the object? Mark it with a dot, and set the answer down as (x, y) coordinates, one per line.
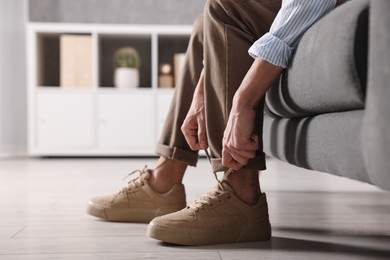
(214, 196)
(134, 183)
(208, 199)
(229, 171)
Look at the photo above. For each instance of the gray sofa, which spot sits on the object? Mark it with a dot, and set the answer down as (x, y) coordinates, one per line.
(330, 111)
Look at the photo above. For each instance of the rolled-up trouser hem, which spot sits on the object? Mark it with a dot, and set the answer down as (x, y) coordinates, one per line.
(176, 153)
(257, 163)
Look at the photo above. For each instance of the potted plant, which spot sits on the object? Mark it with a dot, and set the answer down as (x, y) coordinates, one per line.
(126, 64)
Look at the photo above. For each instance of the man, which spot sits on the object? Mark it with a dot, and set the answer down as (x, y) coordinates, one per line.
(218, 105)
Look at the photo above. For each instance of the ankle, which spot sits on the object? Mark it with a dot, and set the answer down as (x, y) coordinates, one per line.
(245, 185)
(166, 174)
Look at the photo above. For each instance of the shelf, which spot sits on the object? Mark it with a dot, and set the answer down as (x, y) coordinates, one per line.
(56, 89)
(48, 58)
(125, 91)
(168, 46)
(109, 43)
(97, 119)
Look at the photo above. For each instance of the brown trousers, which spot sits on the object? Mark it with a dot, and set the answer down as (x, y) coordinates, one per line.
(220, 41)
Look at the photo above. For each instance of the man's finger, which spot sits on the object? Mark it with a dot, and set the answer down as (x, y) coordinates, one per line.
(191, 137)
(237, 156)
(202, 135)
(228, 161)
(248, 154)
(251, 144)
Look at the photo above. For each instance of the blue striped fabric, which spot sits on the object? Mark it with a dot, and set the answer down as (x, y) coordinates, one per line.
(292, 20)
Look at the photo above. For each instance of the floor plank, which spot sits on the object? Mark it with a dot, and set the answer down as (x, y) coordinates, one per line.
(314, 215)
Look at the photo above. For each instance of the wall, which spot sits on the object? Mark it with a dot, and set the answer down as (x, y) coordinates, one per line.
(116, 11)
(13, 116)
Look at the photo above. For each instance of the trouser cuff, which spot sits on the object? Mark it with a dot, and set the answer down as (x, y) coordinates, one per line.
(176, 153)
(257, 163)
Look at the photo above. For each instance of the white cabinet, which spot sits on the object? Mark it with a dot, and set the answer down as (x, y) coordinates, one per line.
(98, 120)
(126, 121)
(65, 121)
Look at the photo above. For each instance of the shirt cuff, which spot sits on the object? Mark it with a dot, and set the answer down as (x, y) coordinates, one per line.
(272, 49)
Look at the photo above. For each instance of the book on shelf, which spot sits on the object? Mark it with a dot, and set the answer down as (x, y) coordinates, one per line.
(178, 64)
(75, 61)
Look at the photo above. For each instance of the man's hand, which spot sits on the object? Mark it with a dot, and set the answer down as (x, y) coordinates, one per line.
(239, 144)
(194, 125)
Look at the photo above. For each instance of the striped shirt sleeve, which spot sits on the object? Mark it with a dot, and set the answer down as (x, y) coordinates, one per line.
(292, 20)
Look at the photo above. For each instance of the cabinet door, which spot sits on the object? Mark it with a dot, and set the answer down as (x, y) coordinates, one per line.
(126, 120)
(164, 103)
(65, 120)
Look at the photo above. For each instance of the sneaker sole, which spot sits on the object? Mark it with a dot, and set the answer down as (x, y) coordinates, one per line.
(126, 215)
(260, 232)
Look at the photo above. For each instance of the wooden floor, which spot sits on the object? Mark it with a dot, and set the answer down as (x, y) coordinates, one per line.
(314, 215)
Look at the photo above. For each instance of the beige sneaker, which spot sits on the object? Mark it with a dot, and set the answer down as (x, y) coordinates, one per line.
(138, 202)
(217, 217)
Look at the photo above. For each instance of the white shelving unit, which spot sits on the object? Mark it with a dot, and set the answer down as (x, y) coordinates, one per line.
(100, 120)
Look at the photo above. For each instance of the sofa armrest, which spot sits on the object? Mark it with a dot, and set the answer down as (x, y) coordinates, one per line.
(376, 122)
(328, 71)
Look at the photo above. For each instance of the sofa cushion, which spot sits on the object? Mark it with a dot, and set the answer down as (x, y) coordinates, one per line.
(376, 123)
(329, 69)
(328, 143)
